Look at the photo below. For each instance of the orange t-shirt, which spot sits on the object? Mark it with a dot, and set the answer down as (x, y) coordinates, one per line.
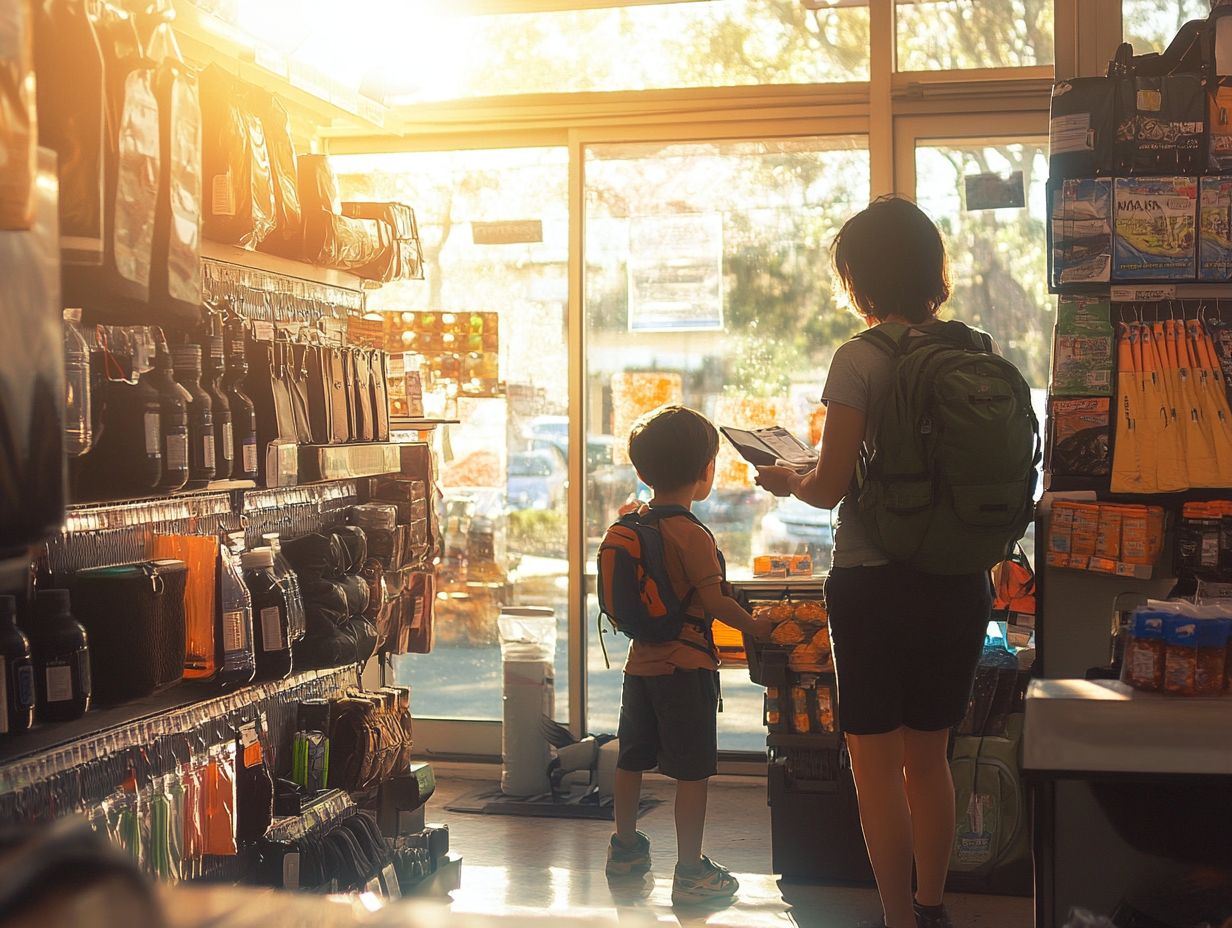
(692, 562)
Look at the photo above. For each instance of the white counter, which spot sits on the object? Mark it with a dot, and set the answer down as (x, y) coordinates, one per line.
(1104, 726)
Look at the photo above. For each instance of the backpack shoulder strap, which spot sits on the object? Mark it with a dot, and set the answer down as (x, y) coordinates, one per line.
(890, 344)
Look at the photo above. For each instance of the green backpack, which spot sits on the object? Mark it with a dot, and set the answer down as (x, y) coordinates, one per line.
(949, 487)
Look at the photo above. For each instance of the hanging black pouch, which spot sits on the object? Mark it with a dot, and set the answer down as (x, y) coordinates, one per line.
(1161, 125)
(1082, 128)
(134, 617)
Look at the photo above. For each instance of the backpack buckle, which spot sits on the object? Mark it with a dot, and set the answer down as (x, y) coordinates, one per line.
(926, 426)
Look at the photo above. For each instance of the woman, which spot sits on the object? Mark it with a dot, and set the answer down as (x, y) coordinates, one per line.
(905, 643)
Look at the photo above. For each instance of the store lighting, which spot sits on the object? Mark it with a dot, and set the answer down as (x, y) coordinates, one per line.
(448, 318)
(408, 317)
(408, 337)
(374, 317)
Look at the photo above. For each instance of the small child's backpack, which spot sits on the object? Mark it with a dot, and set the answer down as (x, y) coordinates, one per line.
(635, 590)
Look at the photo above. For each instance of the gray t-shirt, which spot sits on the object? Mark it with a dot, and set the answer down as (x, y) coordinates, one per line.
(860, 375)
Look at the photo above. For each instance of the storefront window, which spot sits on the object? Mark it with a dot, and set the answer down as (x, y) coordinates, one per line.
(708, 282)
(988, 198)
(1149, 25)
(495, 233)
(719, 43)
(938, 35)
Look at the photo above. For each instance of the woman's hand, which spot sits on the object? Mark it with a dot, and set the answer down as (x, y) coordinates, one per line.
(781, 481)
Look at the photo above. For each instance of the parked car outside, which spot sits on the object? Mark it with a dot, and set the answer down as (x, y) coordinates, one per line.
(537, 480)
(795, 527)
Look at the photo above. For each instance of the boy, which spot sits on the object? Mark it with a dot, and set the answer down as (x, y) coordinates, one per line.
(667, 711)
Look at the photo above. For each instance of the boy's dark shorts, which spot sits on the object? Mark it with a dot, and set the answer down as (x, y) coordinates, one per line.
(905, 646)
(670, 721)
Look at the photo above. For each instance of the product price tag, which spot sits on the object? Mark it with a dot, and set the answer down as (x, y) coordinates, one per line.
(222, 198)
(290, 871)
(263, 331)
(153, 438)
(207, 445)
(374, 886)
(271, 629)
(250, 457)
(59, 682)
(233, 630)
(389, 877)
(228, 448)
(177, 452)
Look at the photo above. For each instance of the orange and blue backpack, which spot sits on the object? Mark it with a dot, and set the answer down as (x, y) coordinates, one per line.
(635, 589)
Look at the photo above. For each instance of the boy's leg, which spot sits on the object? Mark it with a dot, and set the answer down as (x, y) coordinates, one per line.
(690, 821)
(627, 798)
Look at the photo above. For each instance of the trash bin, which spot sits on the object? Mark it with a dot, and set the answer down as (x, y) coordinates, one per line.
(528, 650)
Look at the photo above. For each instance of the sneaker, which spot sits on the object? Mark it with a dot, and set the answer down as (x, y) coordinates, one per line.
(710, 883)
(932, 917)
(623, 861)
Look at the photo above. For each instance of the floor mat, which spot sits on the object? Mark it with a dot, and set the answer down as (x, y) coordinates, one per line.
(491, 801)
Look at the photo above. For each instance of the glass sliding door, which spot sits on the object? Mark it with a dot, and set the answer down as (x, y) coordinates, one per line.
(495, 230)
(707, 282)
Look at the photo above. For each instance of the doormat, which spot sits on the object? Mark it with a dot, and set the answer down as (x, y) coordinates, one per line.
(491, 801)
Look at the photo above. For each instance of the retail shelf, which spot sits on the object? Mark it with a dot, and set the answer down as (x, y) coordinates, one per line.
(285, 267)
(1105, 726)
(214, 487)
(109, 719)
(413, 425)
(347, 462)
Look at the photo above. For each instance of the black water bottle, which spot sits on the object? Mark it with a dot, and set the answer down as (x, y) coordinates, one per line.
(214, 368)
(173, 404)
(270, 615)
(61, 655)
(16, 673)
(243, 415)
(201, 456)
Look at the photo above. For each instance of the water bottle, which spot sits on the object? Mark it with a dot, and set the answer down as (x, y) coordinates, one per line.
(271, 631)
(16, 673)
(233, 634)
(61, 659)
(78, 430)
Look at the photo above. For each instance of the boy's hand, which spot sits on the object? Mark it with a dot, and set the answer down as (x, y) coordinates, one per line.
(780, 481)
(762, 629)
(633, 505)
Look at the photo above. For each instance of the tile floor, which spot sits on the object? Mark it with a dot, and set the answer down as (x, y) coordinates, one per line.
(532, 867)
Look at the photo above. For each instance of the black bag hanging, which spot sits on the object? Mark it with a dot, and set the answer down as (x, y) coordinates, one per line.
(238, 189)
(1161, 125)
(320, 406)
(254, 787)
(380, 397)
(297, 387)
(119, 290)
(287, 237)
(175, 278)
(1082, 128)
(339, 395)
(72, 99)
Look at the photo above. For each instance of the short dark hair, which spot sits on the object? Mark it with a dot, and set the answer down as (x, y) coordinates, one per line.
(891, 260)
(671, 446)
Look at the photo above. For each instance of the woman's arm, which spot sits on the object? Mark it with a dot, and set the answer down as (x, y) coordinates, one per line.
(829, 481)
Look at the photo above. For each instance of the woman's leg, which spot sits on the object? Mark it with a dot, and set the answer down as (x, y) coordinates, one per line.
(877, 765)
(930, 793)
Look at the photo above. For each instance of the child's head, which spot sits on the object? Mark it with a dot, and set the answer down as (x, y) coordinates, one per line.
(674, 447)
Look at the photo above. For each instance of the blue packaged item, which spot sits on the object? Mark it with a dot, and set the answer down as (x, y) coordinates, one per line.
(1215, 229)
(1080, 223)
(1155, 228)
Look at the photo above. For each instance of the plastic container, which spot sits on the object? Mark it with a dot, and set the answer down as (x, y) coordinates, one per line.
(61, 653)
(1143, 666)
(297, 621)
(233, 636)
(173, 408)
(528, 650)
(201, 455)
(16, 673)
(213, 371)
(243, 415)
(1210, 675)
(1180, 654)
(78, 427)
(271, 632)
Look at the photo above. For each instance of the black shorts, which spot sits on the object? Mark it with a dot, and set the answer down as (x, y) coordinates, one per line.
(670, 722)
(905, 646)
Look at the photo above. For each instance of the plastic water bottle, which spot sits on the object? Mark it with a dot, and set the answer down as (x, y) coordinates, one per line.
(78, 430)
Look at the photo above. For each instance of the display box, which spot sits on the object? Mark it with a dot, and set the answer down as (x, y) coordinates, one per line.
(1079, 437)
(1215, 230)
(1155, 228)
(1080, 230)
(1082, 352)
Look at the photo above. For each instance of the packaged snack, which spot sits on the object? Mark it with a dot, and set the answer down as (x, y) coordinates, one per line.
(773, 717)
(1082, 348)
(1081, 225)
(787, 633)
(1143, 666)
(1141, 534)
(1180, 654)
(1079, 437)
(1060, 533)
(1154, 226)
(1215, 229)
(799, 710)
(1086, 529)
(825, 708)
(1108, 537)
(1210, 672)
(1198, 538)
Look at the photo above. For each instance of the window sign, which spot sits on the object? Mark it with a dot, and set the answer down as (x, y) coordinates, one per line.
(676, 273)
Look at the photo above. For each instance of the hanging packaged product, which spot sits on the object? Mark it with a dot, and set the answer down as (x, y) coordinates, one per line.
(200, 554)
(17, 689)
(254, 787)
(213, 369)
(1082, 128)
(173, 415)
(71, 104)
(238, 189)
(1082, 347)
(18, 115)
(1079, 437)
(1080, 229)
(400, 261)
(1154, 221)
(234, 630)
(296, 621)
(270, 614)
(134, 615)
(287, 236)
(1219, 110)
(297, 387)
(32, 377)
(201, 436)
(175, 282)
(121, 287)
(1161, 121)
(331, 239)
(1215, 230)
(1143, 667)
(78, 422)
(243, 414)
(220, 801)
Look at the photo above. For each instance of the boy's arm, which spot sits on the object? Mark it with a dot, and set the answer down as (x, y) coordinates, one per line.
(722, 607)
